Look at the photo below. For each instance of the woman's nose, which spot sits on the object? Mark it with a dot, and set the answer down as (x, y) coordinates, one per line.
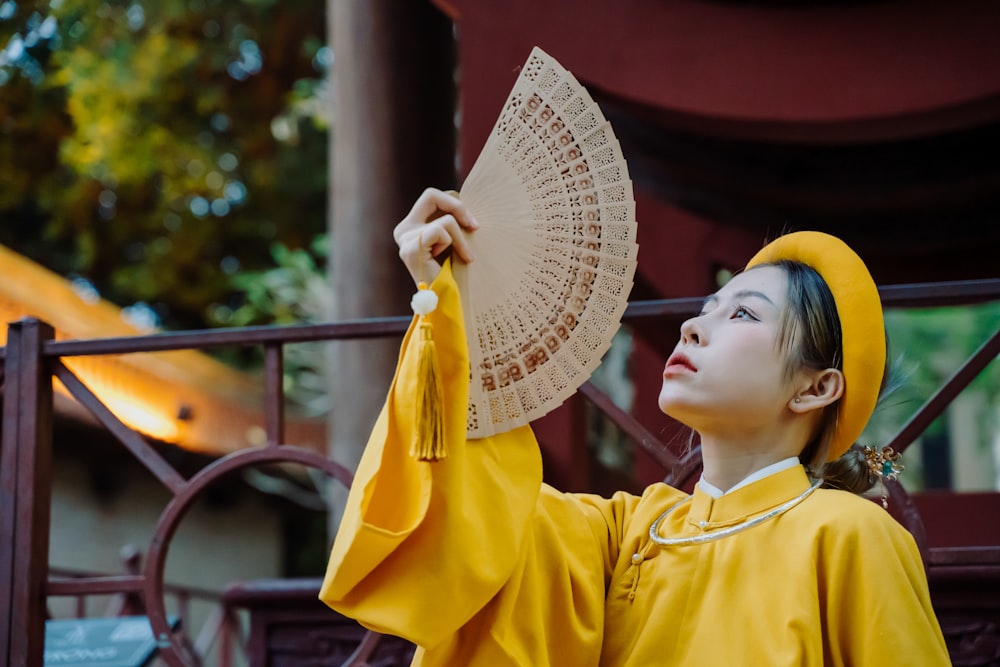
(691, 332)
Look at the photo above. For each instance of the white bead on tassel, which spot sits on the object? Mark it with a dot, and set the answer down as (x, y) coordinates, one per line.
(424, 301)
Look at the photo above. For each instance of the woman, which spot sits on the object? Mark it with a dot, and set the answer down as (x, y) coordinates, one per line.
(477, 562)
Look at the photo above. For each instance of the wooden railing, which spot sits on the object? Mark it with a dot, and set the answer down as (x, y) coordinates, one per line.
(221, 629)
(32, 358)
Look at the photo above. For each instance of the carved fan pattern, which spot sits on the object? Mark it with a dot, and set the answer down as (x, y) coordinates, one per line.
(556, 250)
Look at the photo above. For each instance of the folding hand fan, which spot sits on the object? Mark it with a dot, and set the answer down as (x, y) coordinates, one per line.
(555, 251)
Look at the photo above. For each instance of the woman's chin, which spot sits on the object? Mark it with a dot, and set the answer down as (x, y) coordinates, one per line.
(680, 408)
(670, 405)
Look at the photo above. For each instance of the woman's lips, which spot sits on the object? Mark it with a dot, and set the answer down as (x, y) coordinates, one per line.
(678, 364)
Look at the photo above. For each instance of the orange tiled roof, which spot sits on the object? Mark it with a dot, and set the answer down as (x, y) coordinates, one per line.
(147, 391)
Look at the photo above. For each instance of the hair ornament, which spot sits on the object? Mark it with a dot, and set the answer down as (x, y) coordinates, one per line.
(886, 464)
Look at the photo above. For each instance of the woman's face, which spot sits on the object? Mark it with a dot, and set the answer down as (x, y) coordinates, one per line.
(727, 371)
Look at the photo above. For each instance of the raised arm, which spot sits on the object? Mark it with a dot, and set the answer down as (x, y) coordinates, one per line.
(470, 557)
(424, 545)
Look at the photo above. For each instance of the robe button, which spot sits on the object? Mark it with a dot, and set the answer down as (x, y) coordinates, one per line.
(636, 558)
(702, 524)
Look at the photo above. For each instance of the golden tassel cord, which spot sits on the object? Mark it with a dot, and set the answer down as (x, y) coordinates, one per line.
(428, 437)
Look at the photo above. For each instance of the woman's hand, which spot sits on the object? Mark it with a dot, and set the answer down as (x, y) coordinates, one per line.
(437, 221)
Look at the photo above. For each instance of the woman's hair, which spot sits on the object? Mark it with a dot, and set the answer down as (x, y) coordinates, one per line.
(850, 472)
(810, 333)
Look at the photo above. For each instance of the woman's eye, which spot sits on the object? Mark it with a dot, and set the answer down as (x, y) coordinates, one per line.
(742, 312)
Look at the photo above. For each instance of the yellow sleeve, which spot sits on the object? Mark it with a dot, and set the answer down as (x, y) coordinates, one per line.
(878, 604)
(424, 546)
(550, 611)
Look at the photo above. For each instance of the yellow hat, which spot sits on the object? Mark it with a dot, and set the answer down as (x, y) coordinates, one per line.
(863, 330)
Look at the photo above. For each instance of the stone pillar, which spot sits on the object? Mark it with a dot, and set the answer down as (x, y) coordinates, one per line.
(392, 136)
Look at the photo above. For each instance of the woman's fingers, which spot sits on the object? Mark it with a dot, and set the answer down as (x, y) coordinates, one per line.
(432, 201)
(420, 246)
(453, 235)
(431, 204)
(437, 221)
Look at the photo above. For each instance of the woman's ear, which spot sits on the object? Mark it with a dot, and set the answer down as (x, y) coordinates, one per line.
(818, 389)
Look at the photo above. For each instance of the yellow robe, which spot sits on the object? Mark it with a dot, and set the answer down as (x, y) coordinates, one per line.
(478, 563)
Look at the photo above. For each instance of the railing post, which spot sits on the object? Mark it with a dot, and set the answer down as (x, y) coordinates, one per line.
(25, 504)
(8, 509)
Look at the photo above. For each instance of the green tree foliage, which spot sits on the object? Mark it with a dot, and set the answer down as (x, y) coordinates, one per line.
(158, 149)
(294, 291)
(926, 347)
(933, 342)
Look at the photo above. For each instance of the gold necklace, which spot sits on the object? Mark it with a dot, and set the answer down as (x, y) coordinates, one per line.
(724, 532)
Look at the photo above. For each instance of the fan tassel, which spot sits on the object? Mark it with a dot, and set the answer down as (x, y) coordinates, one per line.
(428, 439)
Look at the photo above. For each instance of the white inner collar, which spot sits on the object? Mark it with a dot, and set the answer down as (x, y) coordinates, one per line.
(766, 471)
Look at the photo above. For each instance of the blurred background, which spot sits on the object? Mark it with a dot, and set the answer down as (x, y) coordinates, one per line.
(195, 164)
